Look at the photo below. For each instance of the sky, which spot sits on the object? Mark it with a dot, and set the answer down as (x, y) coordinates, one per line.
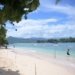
(48, 21)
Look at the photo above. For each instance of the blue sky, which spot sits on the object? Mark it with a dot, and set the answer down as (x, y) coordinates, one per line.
(48, 21)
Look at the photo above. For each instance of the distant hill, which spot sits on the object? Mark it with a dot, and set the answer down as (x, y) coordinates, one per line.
(22, 40)
(39, 40)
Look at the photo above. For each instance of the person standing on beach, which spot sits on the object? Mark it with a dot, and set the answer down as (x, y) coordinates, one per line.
(68, 52)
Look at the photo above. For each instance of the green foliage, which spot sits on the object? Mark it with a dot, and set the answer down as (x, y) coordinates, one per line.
(3, 40)
(59, 40)
(14, 9)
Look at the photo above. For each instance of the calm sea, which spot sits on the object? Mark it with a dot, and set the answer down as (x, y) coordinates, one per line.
(59, 49)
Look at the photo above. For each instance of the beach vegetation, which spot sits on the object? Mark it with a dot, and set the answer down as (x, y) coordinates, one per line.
(3, 40)
(13, 10)
(58, 40)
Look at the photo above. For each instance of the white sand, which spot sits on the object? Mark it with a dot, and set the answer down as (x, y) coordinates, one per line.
(30, 65)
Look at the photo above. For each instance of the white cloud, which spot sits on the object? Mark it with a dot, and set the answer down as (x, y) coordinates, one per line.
(30, 28)
(40, 28)
(69, 10)
(50, 6)
(36, 22)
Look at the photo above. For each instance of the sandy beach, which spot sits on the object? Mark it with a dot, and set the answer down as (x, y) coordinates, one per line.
(27, 64)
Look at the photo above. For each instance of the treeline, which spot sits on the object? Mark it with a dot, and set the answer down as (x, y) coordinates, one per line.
(62, 40)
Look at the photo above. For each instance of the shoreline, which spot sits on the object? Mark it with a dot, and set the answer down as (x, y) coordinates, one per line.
(25, 63)
(44, 56)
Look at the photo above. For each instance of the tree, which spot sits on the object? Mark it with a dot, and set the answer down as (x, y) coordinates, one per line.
(13, 10)
(3, 41)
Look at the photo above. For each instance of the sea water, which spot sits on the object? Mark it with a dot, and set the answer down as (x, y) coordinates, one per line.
(53, 49)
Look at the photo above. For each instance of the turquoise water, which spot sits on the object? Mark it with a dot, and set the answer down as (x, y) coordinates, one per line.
(58, 49)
